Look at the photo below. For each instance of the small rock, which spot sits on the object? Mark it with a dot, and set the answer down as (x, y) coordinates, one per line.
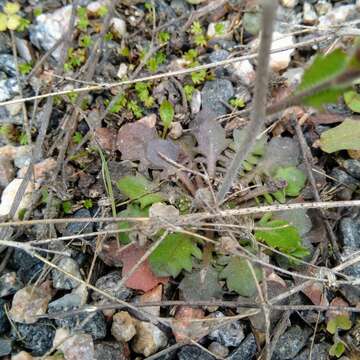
(123, 326)
(28, 303)
(243, 71)
(246, 350)
(109, 284)
(290, 343)
(28, 268)
(8, 89)
(289, 3)
(118, 27)
(108, 350)
(95, 325)
(22, 355)
(176, 130)
(293, 76)
(106, 138)
(350, 232)
(336, 16)
(343, 178)
(353, 270)
(309, 14)
(242, 92)
(352, 167)
(148, 339)
(214, 93)
(123, 69)
(37, 338)
(155, 294)
(218, 349)
(78, 347)
(252, 22)
(5, 43)
(5, 346)
(281, 60)
(7, 171)
(4, 322)
(49, 28)
(319, 352)
(191, 352)
(62, 281)
(323, 7)
(7, 64)
(228, 335)
(22, 156)
(9, 194)
(77, 228)
(41, 169)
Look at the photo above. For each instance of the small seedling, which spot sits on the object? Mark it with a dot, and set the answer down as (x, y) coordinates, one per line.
(197, 31)
(25, 68)
(134, 107)
(83, 21)
(189, 90)
(334, 325)
(88, 204)
(77, 137)
(155, 61)
(142, 91)
(237, 103)
(66, 207)
(166, 115)
(163, 37)
(219, 29)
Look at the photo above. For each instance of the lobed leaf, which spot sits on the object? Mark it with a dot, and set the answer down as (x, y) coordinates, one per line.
(174, 254)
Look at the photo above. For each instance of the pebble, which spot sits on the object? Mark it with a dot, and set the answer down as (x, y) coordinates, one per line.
(281, 60)
(5, 346)
(8, 88)
(41, 169)
(309, 15)
(4, 322)
(22, 355)
(191, 352)
(246, 350)
(94, 326)
(7, 64)
(78, 347)
(289, 3)
(148, 339)
(243, 71)
(350, 232)
(109, 283)
(22, 156)
(228, 335)
(219, 55)
(252, 22)
(7, 171)
(336, 16)
(109, 350)
(344, 178)
(28, 268)
(195, 104)
(319, 352)
(118, 27)
(352, 167)
(218, 349)
(123, 327)
(37, 338)
(77, 228)
(213, 93)
(9, 194)
(290, 343)
(122, 71)
(242, 92)
(5, 43)
(62, 281)
(323, 7)
(155, 294)
(28, 303)
(49, 28)
(347, 254)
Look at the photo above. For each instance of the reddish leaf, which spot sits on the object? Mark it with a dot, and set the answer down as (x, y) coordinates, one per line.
(315, 292)
(143, 278)
(337, 302)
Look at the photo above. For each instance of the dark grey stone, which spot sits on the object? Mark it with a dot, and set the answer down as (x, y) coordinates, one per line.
(4, 322)
(290, 343)
(62, 281)
(214, 92)
(350, 232)
(353, 270)
(319, 352)
(37, 338)
(28, 267)
(77, 228)
(7, 65)
(216, 56)
(246, 350)
(5, 346)
(228, 335)
(95, 326)
(352, 167)
(344, 178)
(191, 352)
(111, 350)
(8, 87)
(110, 284)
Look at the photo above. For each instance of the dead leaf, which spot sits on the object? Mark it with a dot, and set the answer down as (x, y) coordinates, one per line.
(167, 148)
(337, 302)
(143, 278)
(315, 292)
(106, 138)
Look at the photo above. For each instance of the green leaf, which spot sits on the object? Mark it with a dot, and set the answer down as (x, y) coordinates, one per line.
(3, 22)
(11, 8)
(239, 277)
(88, 204)
(132, 210)
(352, 100)
(13, 22)
(166, 114)
(323, 68)
(139, 189)
(198, 77)
(337, 349)
(66, 207)
(174, 254)
(340, 322)
(282, 236)
(345, 136)
(295, 179)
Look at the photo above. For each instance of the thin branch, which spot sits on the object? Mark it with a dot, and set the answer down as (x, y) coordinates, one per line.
(257, 116)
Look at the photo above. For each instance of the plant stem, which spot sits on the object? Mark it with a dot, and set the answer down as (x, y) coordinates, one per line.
(258, 113)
